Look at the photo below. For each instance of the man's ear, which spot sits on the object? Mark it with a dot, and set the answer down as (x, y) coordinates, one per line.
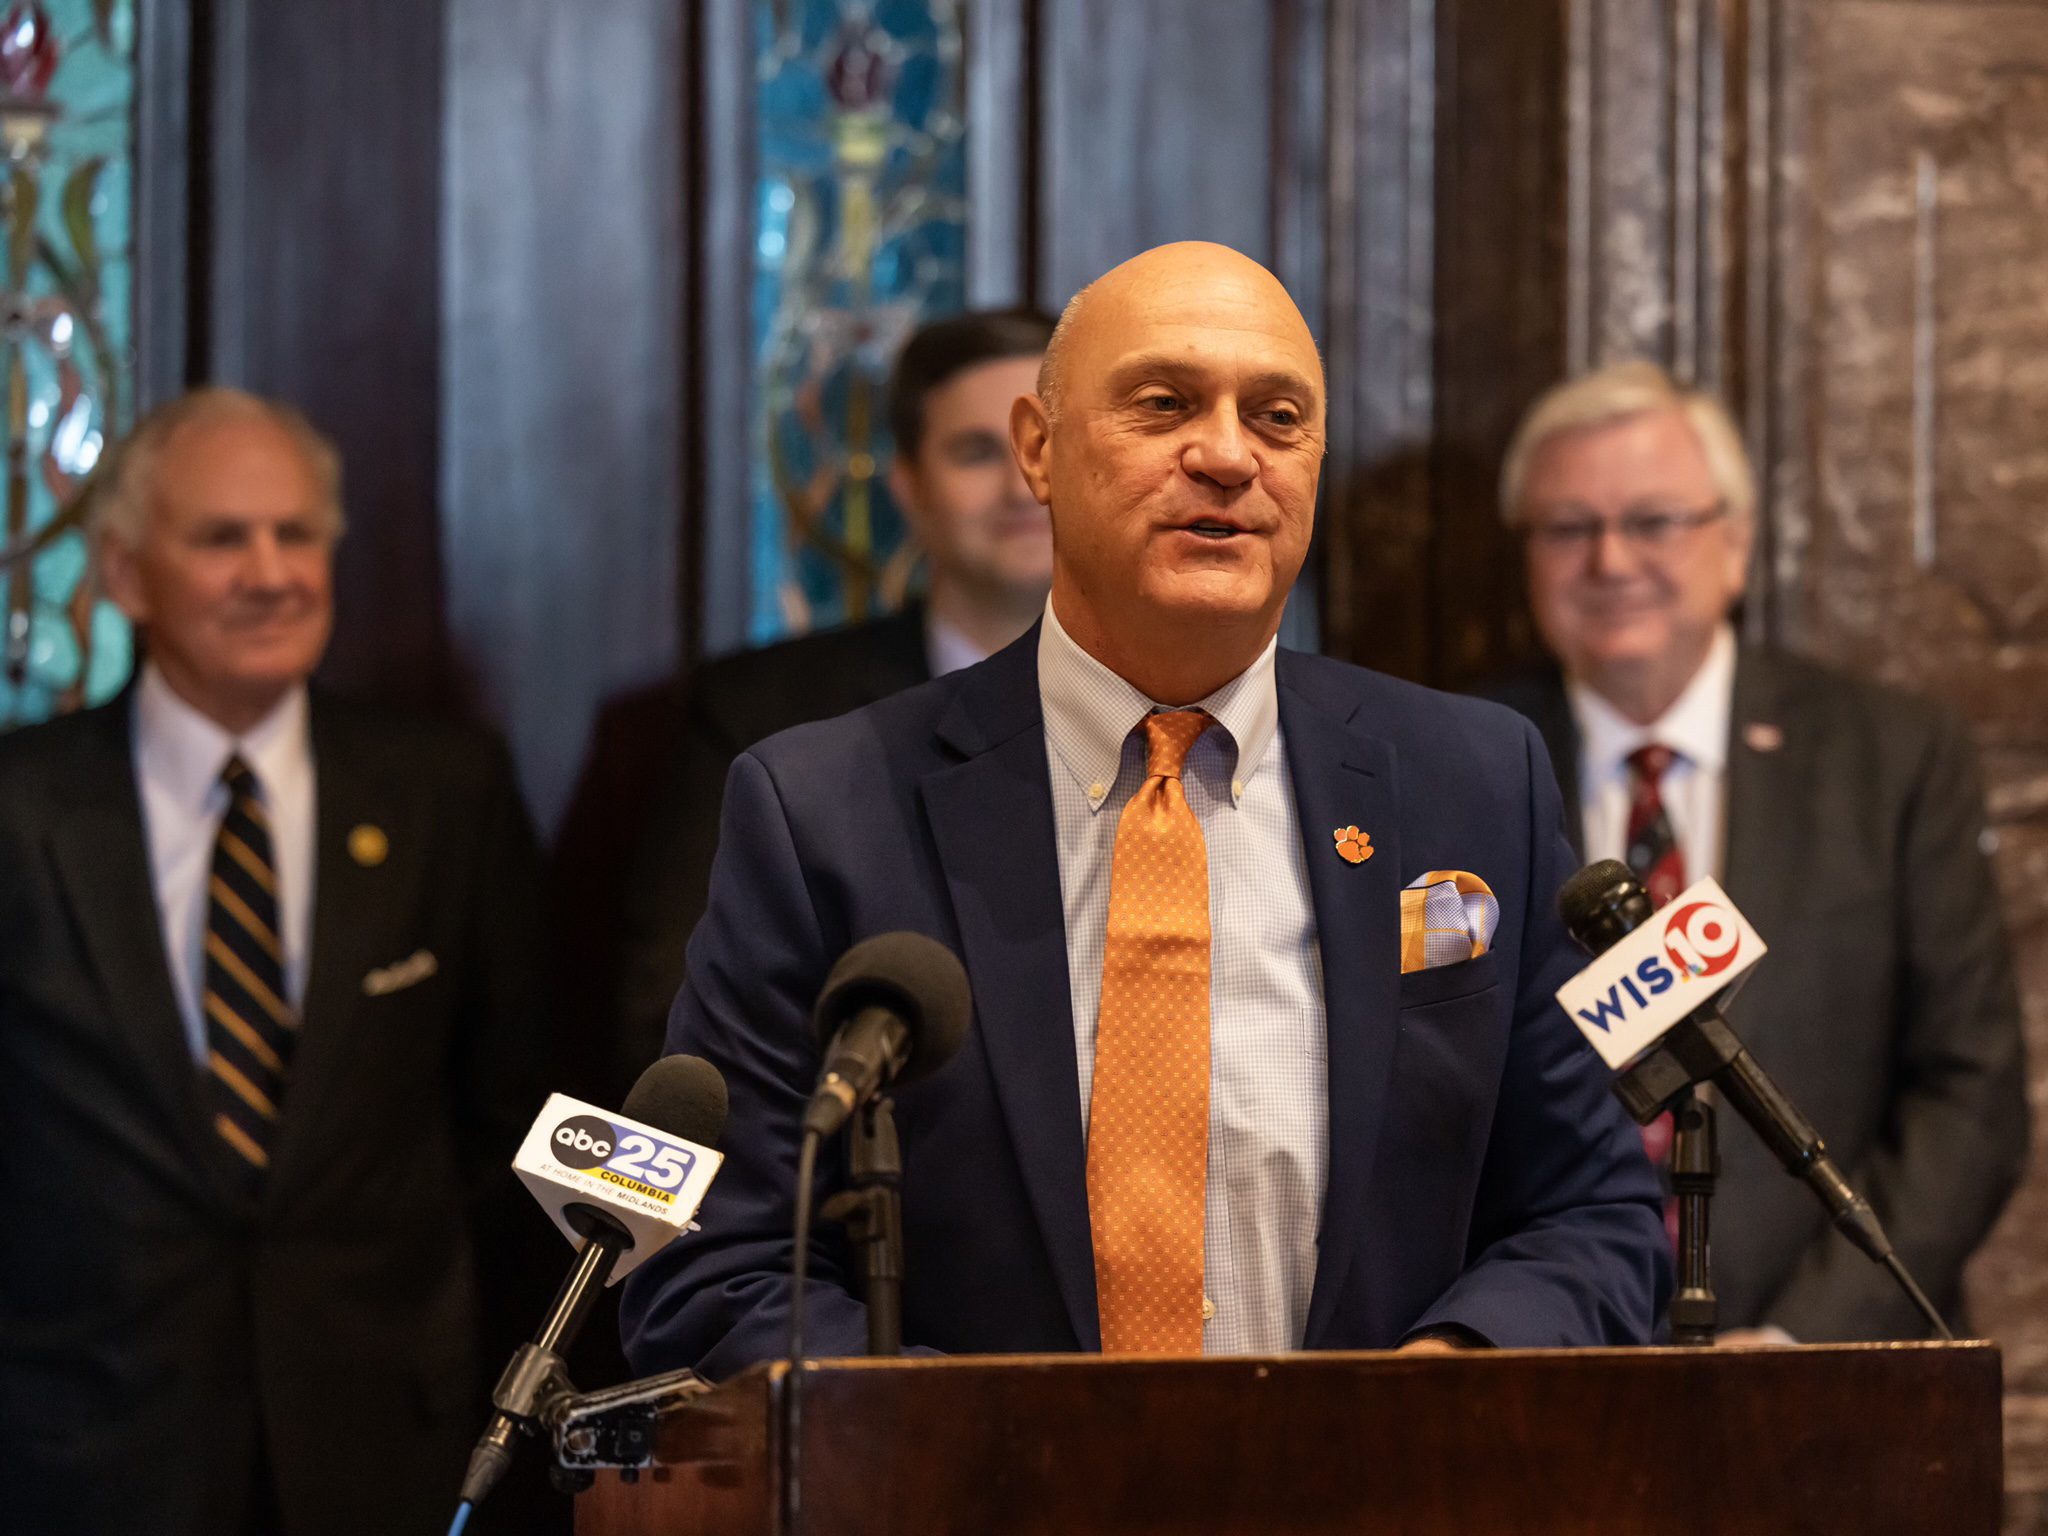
(1031, 442)
(902, 480)
(120, 577)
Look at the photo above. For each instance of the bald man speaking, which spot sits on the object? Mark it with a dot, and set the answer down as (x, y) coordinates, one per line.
(1229, 1088)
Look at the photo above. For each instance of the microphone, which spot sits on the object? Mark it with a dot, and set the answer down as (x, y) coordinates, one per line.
(1647, 1004)
(894, 1009)
(620, 1187)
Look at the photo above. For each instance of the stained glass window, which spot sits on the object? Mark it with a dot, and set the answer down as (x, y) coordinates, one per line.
(67, 91)
(860, 229)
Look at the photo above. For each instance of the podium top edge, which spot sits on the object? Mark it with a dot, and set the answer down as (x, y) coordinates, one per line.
(1644, 1357)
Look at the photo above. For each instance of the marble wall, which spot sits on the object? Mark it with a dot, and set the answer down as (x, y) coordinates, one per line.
(1835, 211)
(1912, 479)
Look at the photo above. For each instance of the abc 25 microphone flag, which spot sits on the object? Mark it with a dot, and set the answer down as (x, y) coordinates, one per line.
(649, 1181)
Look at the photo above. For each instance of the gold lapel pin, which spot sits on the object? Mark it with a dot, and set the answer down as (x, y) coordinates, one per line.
(368, 845)
(1353, 846)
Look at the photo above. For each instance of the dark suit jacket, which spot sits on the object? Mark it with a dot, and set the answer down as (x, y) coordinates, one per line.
(1886, 1006)
(730, 704)
(1480, 1174)
(154, 1322)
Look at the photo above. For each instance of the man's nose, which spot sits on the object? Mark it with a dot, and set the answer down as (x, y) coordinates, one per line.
(1220, 450)
(264, 567)
(1611, 554)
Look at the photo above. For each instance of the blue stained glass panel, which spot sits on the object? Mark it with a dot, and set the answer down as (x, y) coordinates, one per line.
(860, 234)
(67, 96)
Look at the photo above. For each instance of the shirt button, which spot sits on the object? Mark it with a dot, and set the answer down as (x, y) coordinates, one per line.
(1237, 789)
(1097, 791)
(1208, 1309)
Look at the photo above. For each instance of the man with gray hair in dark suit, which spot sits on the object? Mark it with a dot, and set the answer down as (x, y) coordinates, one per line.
(271, 1023)
(1843, 818)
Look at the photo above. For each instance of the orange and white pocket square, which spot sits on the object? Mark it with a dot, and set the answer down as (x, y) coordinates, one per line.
(1447, 916)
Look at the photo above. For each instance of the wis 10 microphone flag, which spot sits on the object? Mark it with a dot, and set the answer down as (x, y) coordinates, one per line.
(1695, 948)
(648, 1180)
(1648, 1003)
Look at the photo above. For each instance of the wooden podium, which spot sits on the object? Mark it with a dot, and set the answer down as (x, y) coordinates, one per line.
(1864, 1439)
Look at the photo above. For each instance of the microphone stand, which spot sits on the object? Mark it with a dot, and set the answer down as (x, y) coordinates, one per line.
(871, 1206)
(538, 1375)
(1695, 1312)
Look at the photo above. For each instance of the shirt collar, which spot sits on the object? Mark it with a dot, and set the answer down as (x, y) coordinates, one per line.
(947, 648)
(184, 751)
(1090, 712)
(1695, 726)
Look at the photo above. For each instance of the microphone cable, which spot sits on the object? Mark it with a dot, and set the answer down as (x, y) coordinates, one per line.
(799, 1268)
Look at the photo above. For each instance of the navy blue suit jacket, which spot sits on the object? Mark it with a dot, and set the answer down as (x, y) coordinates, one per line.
(1480, 1173)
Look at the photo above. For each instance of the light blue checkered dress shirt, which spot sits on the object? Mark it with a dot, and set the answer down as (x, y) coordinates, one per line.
(1268, 1064)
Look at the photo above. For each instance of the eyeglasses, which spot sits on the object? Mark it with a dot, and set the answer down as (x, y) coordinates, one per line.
(1576, 530)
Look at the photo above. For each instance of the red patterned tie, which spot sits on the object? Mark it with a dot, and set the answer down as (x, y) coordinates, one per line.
(1653, 851)
(1658, 861)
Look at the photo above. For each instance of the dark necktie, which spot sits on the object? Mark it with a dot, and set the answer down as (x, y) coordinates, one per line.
(250, 1028)
(1658, 861)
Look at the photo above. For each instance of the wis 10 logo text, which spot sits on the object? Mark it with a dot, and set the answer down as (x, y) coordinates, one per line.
(1692, 950)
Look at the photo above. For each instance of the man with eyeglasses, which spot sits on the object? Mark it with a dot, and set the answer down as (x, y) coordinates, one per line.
(1843, 818)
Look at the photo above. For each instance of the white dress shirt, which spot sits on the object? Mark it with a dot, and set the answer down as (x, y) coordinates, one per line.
(946, 646)
(1695, 786)
(1268, 1057)
(179, 755)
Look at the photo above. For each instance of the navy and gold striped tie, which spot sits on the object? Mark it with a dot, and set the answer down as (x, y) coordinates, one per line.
(250, 1028)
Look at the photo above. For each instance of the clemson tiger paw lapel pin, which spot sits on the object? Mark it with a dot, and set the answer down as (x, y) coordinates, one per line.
(1353, 846)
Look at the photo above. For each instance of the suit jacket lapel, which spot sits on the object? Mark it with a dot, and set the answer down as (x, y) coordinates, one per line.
(98, 845)
(350, 897)
(1344, 777)
(1772, 773)
(1005, 892)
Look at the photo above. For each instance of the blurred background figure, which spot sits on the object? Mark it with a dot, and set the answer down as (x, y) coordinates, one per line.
(987, 546)
(270, 1028)
(1846, 820)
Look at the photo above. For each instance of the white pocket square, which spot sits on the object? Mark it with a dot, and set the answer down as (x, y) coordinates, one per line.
(413, 969)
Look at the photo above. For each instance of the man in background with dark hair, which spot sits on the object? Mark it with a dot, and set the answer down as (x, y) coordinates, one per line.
(988, 549)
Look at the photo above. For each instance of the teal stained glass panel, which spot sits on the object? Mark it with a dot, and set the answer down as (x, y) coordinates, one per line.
(66, 349)
(860, 234)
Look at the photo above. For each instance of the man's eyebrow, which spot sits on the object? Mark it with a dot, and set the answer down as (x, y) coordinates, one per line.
(1166, 365)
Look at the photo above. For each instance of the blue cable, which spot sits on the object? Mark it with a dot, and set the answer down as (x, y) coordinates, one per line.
(461, 1518)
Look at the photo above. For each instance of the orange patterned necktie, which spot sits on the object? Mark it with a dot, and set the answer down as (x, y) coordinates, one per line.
(1148, 1116)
